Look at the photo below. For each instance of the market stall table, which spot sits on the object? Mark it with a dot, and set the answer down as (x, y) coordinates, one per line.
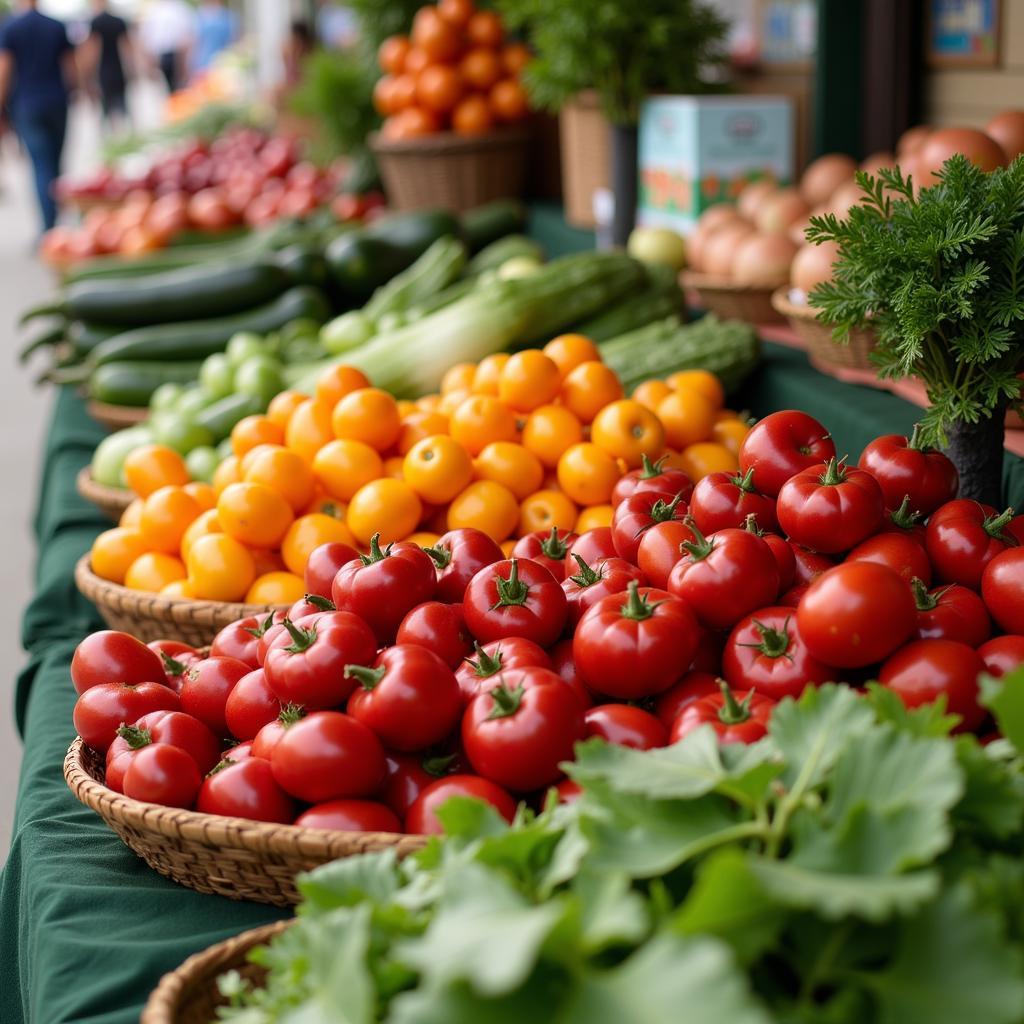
(86, 928)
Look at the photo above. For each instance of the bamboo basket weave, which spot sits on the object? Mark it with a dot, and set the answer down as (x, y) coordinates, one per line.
(153, 617)
(854, 354)
(233, 857)
(189, 994)
(111, 500)
(731, 301)
(116, 417)
(456, 172)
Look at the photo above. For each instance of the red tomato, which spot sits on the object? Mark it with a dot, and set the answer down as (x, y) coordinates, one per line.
(350, 816)
(547, 549)
(515, 597)
(269, 736)
(710, 644)
(904, 471)
(407, 775)
(903, 521)
(1002, 587)
(925, 670)
(104, 706)
(782, 552)
(310, 604)
(422, 818)
(589, 584)
(722, 501)
(563, 665)
(207, 687)
(328, 756)
(323, 565)
(517, 735)
(497, 657)
(240, 639)
(591, 546)
(246, 789)
(306, 663)
(113, 657)
(637, 514)
(830, 509)
(856, 614)
(382, 587)
(625, 726)
(1002, 654)
(660, 549)
(901, 552)
(409, 697)
(250, 705)
(568, 790)
(239, 752)
(177, 658)
(737, 718)
(694, 685)
(174, 728)
(724, 576)
(633, 645)
(791, 598)
(439, 627)
(269, 634)
(964, 536)
(162, 774)
(458, 556)
(781, 445)
(652, 476)
(951, 612)
(809, 565)
(765, 653)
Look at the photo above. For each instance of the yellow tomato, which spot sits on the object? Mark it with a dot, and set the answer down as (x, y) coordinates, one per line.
(203, 493)
(567, 351)
(545, 509)
(336, 382)
(325, 503)
(510, 465)
(220, 568)
(394, 467)
(388, 507)
(428, 403)
(487, 506)
(166, 515)
(451, 400)
(593, 517)
(265, 561)
(406, 407)
(549, 431)
(587, 474)
(507, 546)
(437, 468)
(275, 588)
(309, 429)
(699, 380)
(283, 405)
(488, 370)
(309, 532)
(423, 538)
(458, 378)
(687, 417)
(254, 430)
(153, 571)
(628, 431)
(113, 552)
(342, 467)
(153, 466)
(481, 419)
(180, 590)
(228, 472)
(708, 457)
(254, 514)
(730, 433)
(207, 522)
(671, 459)
(528, 380)
(131, 515)
(418, 425)
(285, 471)
(650, 393)
(588, 388)
(368, 415)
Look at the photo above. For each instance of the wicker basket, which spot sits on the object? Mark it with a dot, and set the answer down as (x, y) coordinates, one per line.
(189, 994)
(825, 352)
(456, 172)
(153, 617)
(233, 857)
(111, 500)
(116, 417)
(586, 156)
(731, 301)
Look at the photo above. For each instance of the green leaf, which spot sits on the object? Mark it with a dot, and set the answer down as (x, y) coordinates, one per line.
(993, 799)
(1005, 699)
(669, 980)
(346, 882)
(951, 965)
(926, 720)
(468, 818)
(611, 912)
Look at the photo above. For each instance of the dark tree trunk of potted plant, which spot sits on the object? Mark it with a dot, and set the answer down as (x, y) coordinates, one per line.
(976, 449)
(624, 180)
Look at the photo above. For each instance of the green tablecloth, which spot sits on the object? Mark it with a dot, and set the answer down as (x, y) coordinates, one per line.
(86, 929)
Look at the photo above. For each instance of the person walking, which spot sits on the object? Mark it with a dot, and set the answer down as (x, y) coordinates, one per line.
(166, 32)
(216, 30)
(37, 74)
(108, 51)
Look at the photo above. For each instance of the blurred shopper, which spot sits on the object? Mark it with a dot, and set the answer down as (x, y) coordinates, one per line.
(298, 45)
(216, 30)
(336, 26)
(167, 32)
(106, 53)
(37, 72)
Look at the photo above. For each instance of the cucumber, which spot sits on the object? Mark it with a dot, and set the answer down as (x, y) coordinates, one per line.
(220, 417)
(133, 383)
(631, 313)
(508, 248)
(413, 232)
(486, 224)
(359, 265)
(437, 268)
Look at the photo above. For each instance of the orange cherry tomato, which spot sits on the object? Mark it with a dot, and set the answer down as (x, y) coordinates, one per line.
(423, 538)
(153, 571)
(228, 472)
(205, 523)
(512, 466)
(472, 116)
(152, 466)
(481, 419)
(386, 506)
(587, 474)
(114, 551)
(688, 417)
(336, 382)
(549, 431)
(730, 433)
(593, 517)
(403, 91)
(437, 38)
(131, 515)
(588, 388)
(455, 12)
(309, 429)
(179, 590)
(203, 493)
(428, 403)
(309, 532)
(699, 380)
(437, 468)
(569, 350)
(392, 53)
(488, 372)
(458, 378)
(166, 515)
(220, 568)
(415, 61)
(266, 561)
(368, 415)
(438, 88)
(480, 68)
(254, 514)
(418, 425)
(508, 100)
(276, 588)
(254, 430)
(628, 430)
(285, 471)
(706, 457)
(384, 96)
(651, 393)
(487, 506)
(484, 28)
(528, 380)
(545, 509)
(451, 400)
(342, 467)
(394, 467)
(508, 546)
(514, 58)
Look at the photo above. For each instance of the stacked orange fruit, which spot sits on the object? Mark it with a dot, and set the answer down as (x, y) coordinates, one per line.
(511, 445)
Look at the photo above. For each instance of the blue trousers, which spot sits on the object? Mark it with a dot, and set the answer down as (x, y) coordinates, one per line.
(42, 134)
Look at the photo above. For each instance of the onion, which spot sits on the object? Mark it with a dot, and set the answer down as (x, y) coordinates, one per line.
(874, 162)
(720, 247)
(824, 176)
(753, 196)
(716, 215)
(844, 197)
(812, 265)
(912, 140)
(979, 148)
(779, 211)
(1007, 128)
(798, 228)
(763, 261)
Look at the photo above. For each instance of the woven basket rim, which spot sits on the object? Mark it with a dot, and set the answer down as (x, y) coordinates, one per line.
(787, 307)
(91, 490)
(215, 829)
(201, 968)
(442, 143)
(711, 283)
(116, 416)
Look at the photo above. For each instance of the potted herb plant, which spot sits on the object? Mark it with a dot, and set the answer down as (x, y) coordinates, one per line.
(623, 50)
(938, 274)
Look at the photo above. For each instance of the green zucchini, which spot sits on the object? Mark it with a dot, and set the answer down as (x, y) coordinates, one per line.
(508, 248)
(133, 383)
(221, 416)
(437, 268)
(486, 224)
(359, 265)
(414, 232)
(631, 313)
(83, 338)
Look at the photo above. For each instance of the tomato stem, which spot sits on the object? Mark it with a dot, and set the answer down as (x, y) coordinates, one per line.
(135, 737)
(486, 665)
(587, 576)
(325, 604)
(751, 526)
(994, 525)
(262, 627)
(650, 469)
(925, 602)
(290, 714)
(662, 511)
(553, 546)
(914, 442)
(733, 712)
(368, 677)
(774, 642)
(903, 517)
(835, 473)
(637, 607)
(700, 547)
(172, 666)
(375, 555)
(745, 482)
(302, 639)
(442, 556)
(505, 700)
(511, 591)
(439, 766)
